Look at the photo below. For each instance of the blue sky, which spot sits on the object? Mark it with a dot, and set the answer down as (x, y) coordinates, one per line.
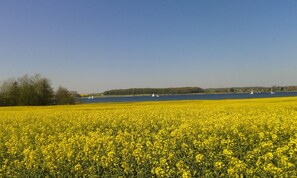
(97, 45)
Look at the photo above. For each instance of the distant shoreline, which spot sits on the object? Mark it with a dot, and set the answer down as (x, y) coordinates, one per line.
(188, 91)
(137, 95)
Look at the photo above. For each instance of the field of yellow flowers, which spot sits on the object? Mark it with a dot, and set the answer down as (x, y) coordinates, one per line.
(226, 138)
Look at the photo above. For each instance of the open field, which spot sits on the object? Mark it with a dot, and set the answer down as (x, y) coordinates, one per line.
(255, 137)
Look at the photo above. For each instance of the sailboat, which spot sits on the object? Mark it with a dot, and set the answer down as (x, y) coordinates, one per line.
(252, 92)
(271, 92)
(153, 95)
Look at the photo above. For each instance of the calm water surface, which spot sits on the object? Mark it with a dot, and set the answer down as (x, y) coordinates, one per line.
(187, 97)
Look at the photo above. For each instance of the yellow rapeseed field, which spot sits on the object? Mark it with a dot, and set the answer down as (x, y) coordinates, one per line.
(226, 138)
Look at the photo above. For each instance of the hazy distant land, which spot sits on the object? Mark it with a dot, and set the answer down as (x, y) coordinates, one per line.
(192, 90)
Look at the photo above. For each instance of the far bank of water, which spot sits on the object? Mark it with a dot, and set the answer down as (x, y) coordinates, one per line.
(187, 97)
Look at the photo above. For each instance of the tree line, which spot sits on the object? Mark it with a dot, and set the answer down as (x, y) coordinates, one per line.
(33, 91)
(192, 90)
(249, 89)
(140, 91)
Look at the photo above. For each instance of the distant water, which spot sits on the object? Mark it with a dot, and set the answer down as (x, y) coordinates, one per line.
(187, 97)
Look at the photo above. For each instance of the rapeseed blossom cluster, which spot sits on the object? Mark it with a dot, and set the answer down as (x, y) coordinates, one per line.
(228, 138)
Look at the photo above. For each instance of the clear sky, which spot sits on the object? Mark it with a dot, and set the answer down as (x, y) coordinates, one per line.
(97, 45)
